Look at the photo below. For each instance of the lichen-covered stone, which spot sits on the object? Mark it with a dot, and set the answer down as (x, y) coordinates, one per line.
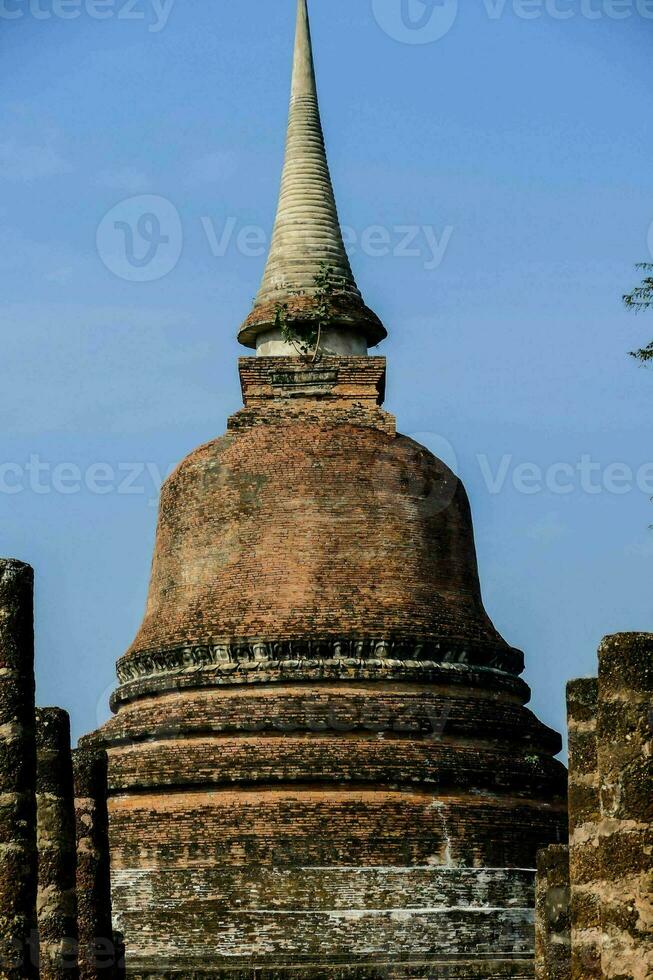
(57, 899)
(97, 950)
(610, 817)
(18, 857)
(584, 821)
(625, 756)
(552, 915)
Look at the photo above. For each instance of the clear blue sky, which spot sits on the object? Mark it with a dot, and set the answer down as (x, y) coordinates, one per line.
(522, 146)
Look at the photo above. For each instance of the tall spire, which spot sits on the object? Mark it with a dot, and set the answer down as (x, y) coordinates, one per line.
(307, 235)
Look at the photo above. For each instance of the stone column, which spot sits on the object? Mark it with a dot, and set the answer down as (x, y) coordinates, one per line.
(584, 817)
(552, 939)
(625, 752)
(18, 860)
(96, 948)
(57, 904)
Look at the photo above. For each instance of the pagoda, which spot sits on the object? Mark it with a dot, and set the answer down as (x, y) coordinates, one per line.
(321, 762)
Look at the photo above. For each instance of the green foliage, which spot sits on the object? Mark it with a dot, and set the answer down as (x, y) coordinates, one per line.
(644, 354)
(305, 334)
(640, 299)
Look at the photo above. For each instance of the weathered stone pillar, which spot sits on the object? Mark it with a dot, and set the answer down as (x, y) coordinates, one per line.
(18, 860)
(552, 939)
(584, 817)
(96, 948)
(57, 904)
(625, 752)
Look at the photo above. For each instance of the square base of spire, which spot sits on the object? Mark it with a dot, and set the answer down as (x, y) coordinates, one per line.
(333, 389)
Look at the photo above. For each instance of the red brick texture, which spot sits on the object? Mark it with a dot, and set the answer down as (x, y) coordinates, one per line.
(321, 763)
(308, 527)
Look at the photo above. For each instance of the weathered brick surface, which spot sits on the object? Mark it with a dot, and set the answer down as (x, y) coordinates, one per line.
(552, 919)
(610, 818)
(258, 759)
(339, 906)
(167, 939)
(57, 899)
(158, 677)
(344, 308)
(340, 389)
(625, 758)
(282, 533)
(399, 710)
(584, 820)
(290, 827)
(96, 941)
(321, 762)
(433, 968)
(339, 889)
(18, 860)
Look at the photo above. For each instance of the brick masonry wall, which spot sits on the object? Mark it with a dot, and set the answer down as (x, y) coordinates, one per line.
(552, 923)
(18, 858)
(321, 762)
(57, 897)
(97, 953)
(610, 818)
(284, 533)
(311, 520)
(584, 820)
(282, 808)
(625, 758)
(285, 827)
(362, 709)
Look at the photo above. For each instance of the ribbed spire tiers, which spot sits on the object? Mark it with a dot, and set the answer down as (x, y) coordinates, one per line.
(307, 239)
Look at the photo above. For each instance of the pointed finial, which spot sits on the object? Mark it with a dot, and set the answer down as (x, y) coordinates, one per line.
(303, 76)
(307, 239)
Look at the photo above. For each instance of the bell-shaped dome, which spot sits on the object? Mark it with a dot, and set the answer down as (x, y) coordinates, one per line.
(310, 534)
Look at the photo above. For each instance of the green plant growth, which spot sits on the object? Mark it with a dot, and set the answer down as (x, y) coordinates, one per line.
(305, 334)
(640, 299)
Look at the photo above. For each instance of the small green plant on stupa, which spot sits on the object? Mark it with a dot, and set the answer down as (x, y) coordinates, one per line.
(306, 334)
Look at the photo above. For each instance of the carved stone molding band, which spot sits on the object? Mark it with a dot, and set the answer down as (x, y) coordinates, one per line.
(243, 653)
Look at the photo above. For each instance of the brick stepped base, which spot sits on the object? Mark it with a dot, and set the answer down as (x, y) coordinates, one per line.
(315, 914)
(285, 828)
(433, 969)
(490, 969)
(335, 889)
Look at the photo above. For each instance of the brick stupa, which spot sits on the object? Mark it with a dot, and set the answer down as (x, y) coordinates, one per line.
(321, 764)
